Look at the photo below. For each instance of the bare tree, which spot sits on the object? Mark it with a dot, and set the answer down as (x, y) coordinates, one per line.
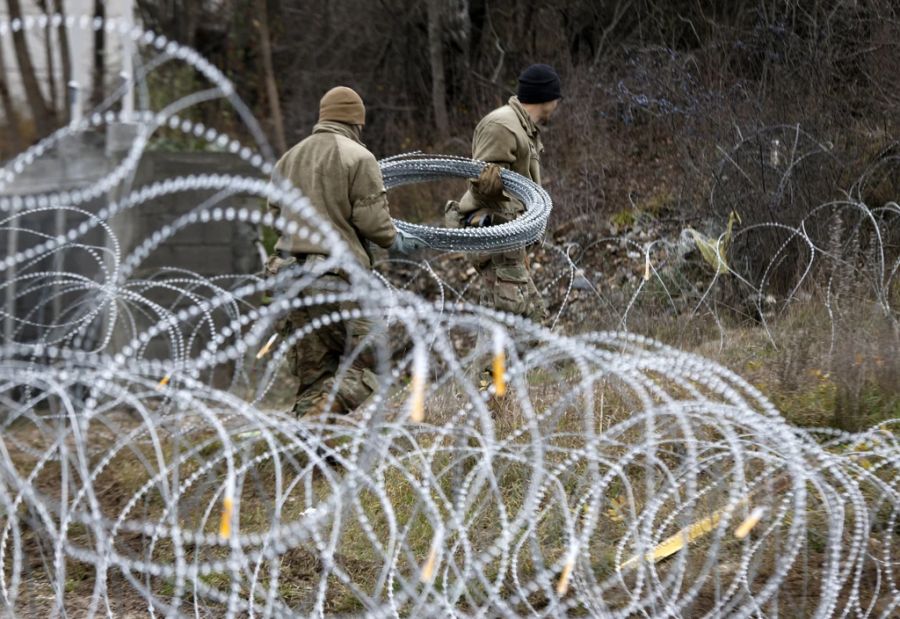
(436, 57)
(191, 11)
(265, 43)
(41, 112)
(458, 29)
(12, 117)
(180, 19)
(621, 9)
(49, 57)
(99, 73)
(65, 55)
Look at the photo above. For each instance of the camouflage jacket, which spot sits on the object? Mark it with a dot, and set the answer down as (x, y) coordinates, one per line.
(508, 137)
(342, 180)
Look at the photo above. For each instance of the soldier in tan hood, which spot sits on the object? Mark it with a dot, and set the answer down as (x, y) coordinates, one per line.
(509, 137)
(342, 180)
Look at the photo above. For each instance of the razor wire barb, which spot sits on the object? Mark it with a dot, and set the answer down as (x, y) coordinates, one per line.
(524, 230)
(602, 474)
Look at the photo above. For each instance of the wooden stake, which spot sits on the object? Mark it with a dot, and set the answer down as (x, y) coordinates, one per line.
(265, 349)
(751, 521)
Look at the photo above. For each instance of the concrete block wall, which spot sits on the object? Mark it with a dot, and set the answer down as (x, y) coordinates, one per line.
(212, 248)
(209, 249)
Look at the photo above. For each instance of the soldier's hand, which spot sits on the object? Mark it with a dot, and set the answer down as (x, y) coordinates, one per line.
(406, 243)
(488, 186)
(481, 218)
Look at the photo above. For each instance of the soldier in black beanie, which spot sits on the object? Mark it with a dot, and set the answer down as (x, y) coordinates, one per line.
(509, 137)
(539, 83)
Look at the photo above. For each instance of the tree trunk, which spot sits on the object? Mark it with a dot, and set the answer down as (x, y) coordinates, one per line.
(436, 56)
(43, 117)
(459, 27)
(191, 12)
(65, 57)
(477, 14)
(49, 59)
(620, 11)
(99, 73)
(9, 110)
(265, 44)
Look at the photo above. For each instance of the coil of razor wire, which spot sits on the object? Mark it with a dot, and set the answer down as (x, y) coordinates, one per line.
(526, 229)
(603, 474)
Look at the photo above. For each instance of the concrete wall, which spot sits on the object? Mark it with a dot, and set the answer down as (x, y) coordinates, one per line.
(210, 249)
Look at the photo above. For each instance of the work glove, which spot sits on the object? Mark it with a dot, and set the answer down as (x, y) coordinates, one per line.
(482, 218)
(488, 187)
(406, 243)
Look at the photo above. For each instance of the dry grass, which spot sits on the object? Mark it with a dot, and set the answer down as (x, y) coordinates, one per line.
(807, 377)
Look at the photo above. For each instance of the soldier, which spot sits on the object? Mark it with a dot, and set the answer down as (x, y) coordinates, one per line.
(342, 180)
(509, 137)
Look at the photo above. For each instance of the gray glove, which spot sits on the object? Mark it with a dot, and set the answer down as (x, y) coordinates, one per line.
(482, 218)
(406, 243)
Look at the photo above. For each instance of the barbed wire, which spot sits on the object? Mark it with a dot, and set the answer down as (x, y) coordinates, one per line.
(598, 474)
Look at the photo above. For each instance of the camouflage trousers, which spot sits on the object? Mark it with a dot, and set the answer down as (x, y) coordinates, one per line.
(333, 372)
(508, 287)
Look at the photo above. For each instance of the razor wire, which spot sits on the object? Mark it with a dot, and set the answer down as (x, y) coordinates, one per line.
(524, 230)
(600, 474)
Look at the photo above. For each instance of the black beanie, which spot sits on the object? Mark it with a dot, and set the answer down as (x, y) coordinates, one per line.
(539, 83)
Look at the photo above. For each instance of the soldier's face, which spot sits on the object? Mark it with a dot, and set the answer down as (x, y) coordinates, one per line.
(547, 111)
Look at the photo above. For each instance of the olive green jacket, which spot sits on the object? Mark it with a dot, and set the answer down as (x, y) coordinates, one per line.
(508, 137)
(343, 182)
